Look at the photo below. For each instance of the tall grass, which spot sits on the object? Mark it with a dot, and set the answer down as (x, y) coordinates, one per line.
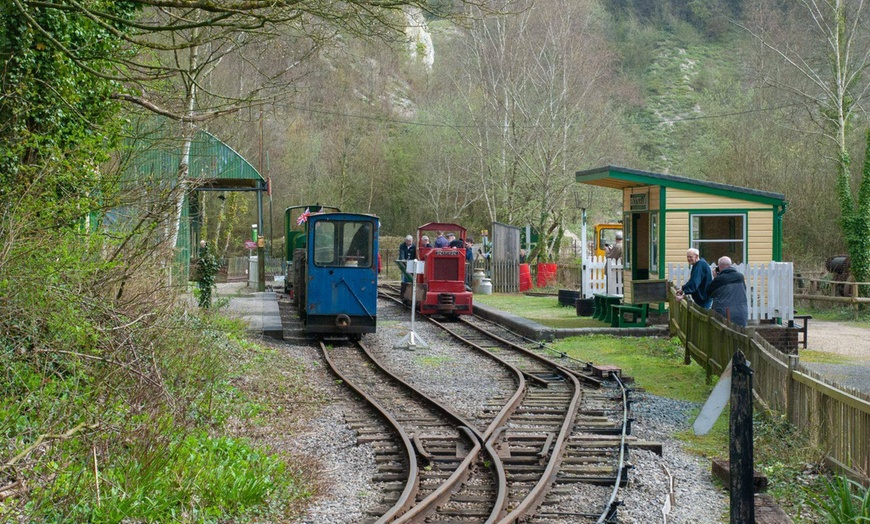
(843, 501)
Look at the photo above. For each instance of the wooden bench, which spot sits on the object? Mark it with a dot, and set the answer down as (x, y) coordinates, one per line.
(802, 328)
(603, 303)
(638, 315)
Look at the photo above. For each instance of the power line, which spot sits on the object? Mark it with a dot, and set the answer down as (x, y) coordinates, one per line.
(388, 120)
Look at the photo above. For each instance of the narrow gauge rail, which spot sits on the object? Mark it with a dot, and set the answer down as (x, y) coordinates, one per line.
(553, 440)
(439, 448)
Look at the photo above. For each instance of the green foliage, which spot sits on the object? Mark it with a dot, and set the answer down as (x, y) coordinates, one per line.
(843, 501)
(157, 457)
(196, 479)
(545, 310)
(708, 17)
(207, 266)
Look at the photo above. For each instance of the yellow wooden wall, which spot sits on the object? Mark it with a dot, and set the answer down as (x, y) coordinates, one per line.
(654, 196)
(679, 203)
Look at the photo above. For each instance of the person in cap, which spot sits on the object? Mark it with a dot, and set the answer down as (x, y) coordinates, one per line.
(452, 241)
(615, 251)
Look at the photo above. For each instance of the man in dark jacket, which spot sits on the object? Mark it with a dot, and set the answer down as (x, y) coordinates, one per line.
(700, 278)
(728, 292)
(407, 251)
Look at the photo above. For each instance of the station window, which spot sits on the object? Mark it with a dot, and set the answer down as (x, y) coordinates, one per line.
(626, 241)
(720, 235)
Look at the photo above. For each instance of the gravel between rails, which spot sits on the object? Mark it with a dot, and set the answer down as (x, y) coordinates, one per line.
(348, 491)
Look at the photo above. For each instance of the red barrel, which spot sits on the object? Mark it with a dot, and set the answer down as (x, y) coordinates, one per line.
(546, 274)
(525, 278)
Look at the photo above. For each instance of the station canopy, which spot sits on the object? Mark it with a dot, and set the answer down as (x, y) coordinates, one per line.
(622, 178)
(213, 165)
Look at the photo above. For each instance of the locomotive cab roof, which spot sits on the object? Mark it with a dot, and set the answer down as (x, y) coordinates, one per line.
(445, 227)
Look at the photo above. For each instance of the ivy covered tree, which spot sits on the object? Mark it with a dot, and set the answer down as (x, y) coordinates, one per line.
(821, 62)
(207, 267)
(856, 223)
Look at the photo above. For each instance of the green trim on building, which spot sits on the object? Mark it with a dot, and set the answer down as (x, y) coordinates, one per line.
(776, 234)
(662, 236)
(777, 231)
(637, 177)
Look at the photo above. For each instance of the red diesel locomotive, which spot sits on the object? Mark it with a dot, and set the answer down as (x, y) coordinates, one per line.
(441, 287)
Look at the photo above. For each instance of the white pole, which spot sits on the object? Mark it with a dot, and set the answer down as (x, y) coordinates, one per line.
(585, 273)
(412, 343)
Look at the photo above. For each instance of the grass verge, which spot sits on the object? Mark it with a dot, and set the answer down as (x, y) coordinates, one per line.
(193, 450)
(544, 310)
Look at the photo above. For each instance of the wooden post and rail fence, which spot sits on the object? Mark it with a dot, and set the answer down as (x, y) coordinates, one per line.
(836, 418)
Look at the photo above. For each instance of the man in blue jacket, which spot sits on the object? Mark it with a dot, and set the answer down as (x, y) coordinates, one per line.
(728, 293)
(700, 278)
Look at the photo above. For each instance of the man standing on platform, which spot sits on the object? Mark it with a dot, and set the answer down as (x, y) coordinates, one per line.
(700, 278)
(615, 252)
(407, 251)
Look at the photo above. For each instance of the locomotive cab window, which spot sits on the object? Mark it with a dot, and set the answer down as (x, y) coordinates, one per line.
(343, 244)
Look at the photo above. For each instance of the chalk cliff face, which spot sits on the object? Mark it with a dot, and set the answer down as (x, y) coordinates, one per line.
(419, 38)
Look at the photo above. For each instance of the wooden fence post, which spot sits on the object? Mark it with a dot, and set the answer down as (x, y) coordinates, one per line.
(741, 448)
(792, 391)
(687, 358)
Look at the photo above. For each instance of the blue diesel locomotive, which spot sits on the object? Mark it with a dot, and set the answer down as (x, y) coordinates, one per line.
(336, 274)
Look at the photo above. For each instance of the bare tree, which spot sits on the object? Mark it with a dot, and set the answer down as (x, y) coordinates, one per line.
(537, 95)
(825, 44)
(177, 49)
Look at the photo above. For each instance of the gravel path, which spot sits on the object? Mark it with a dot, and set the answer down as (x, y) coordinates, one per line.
(844, 340)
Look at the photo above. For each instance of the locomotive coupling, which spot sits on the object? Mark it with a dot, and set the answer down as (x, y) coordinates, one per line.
(342, 321)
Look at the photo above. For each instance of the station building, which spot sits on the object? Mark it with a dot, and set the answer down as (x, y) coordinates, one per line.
(664, 215)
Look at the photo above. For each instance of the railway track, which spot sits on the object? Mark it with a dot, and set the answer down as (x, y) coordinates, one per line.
(560, 434)
(432, 465)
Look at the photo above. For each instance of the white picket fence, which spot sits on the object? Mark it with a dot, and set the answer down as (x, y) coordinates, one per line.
(602, 275)
(770, 288)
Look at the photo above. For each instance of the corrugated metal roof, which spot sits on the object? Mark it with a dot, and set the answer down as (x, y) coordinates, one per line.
(213, 164)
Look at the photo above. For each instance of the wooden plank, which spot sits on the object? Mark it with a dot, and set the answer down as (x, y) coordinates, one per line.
(767, 511)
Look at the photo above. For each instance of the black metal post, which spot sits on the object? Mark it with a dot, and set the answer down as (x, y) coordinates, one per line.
(741, 448)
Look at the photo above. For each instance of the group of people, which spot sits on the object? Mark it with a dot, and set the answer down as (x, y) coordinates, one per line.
(408, 251)
(725, 294)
